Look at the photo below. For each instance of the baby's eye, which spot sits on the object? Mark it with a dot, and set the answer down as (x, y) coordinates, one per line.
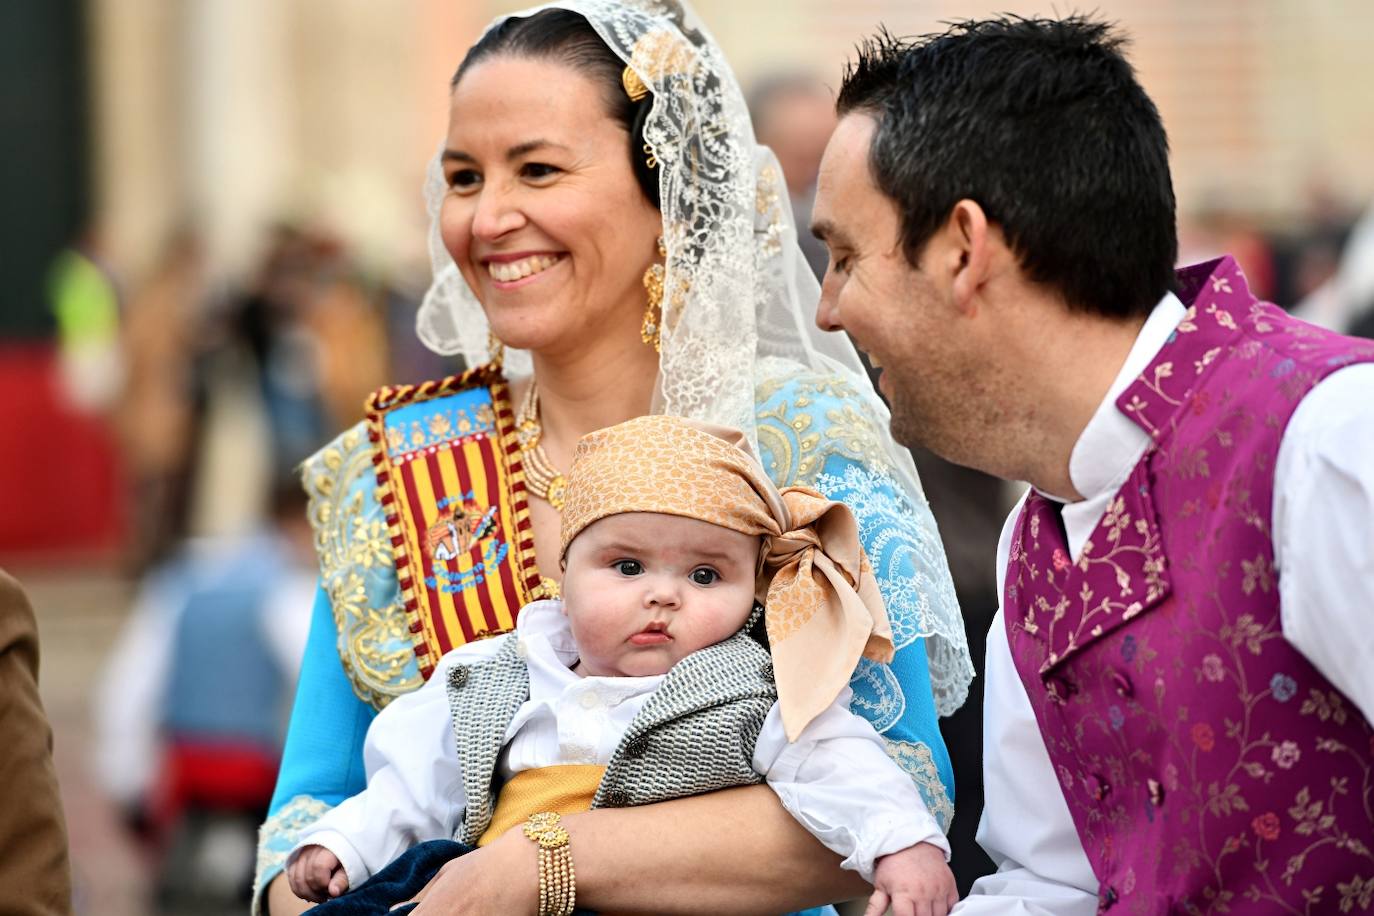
(705, 575)
(629, 567)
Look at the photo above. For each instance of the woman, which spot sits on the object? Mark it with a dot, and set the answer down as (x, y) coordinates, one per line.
(665, 280)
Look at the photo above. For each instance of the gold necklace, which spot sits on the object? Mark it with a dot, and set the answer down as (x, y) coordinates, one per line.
(542, 479)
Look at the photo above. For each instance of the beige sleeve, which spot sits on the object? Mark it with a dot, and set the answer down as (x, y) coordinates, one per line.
(35, 876)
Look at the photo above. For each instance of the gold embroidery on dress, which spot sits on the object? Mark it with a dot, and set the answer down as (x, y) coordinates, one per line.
(785, 430)
(373, 645)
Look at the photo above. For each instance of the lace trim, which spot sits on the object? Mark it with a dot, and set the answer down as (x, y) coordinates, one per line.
(278, 836)
(916, 759)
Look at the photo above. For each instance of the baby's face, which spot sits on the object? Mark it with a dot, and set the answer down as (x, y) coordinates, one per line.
(643, 590)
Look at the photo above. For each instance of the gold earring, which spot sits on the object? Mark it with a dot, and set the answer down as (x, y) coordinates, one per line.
(651, 331)
(496, 351)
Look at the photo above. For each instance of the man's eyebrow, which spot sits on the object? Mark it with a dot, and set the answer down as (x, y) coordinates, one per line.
(515, 152)
(827, 231)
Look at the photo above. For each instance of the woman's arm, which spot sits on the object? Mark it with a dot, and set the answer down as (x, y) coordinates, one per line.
(322, 763)
(279, 901)
(731, 852)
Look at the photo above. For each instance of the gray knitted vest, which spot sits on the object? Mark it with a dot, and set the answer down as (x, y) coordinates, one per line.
(695, 734)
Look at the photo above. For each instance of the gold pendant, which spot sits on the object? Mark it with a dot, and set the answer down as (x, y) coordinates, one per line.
(557, 491)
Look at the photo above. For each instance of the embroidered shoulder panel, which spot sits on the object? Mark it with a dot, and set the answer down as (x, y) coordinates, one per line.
(422, 529)
(805, 418)
(451, 483)
(357, 570)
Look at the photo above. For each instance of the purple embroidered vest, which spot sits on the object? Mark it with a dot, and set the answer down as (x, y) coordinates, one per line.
(1209, 768)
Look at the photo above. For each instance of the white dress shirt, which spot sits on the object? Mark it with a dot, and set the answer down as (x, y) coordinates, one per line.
(1323, 530)
(836, 779)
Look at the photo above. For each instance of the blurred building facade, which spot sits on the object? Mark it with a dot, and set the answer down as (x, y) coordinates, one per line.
(238, 114)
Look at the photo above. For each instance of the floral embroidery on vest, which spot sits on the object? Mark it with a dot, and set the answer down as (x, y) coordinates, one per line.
(1209, 768)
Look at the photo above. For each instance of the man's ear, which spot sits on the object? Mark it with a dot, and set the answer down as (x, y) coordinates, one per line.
(969, 254)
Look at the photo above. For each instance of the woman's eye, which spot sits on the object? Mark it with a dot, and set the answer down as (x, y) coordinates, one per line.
(629, 567)
(464, 179)
(538, 170)
(705, 576)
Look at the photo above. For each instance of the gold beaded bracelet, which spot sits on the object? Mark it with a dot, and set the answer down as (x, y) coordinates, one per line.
(557, 879)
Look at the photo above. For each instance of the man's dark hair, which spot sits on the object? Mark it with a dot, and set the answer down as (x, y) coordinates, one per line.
(567, 37)
(1043, 124)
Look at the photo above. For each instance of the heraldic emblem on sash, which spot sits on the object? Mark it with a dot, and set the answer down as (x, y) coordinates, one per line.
(453, 490)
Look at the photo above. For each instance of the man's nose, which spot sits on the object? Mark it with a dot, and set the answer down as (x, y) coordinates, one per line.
(827, 312)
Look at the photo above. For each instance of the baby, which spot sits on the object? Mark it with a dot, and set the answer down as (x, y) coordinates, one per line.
(670, 531)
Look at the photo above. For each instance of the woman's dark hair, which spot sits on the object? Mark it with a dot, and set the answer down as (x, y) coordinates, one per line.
(567, 37)
(1043, 123)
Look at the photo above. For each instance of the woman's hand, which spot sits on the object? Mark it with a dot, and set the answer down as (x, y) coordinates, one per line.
(279, 901)
(500, 878)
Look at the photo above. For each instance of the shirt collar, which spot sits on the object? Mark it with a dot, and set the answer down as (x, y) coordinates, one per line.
(1110, 445)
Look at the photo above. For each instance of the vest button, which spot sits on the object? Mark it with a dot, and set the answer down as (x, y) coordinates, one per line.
(1060, 688)
(766, 671)
(1123, 686)
(457, 676)
(1108, 897)
(617, 798)
(637, 746)
(1099, 787)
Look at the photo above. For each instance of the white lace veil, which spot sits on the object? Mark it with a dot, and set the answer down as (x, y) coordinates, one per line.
(739, 297)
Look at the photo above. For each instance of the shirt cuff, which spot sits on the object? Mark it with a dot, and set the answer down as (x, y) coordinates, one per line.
(888, 834)
(349, 857)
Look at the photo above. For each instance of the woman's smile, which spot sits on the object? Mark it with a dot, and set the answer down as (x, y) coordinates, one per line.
(510, 271)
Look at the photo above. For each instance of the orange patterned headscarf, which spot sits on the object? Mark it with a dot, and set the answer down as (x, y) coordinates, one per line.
(822, 606)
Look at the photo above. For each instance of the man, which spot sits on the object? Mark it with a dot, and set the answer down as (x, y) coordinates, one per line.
(1178, 687)
(35, 877)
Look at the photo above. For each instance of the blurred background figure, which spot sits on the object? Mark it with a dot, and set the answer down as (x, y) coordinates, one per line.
(1345, 301)
(794, 115)
(191, 706)
(156, 412)
(213, 242)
